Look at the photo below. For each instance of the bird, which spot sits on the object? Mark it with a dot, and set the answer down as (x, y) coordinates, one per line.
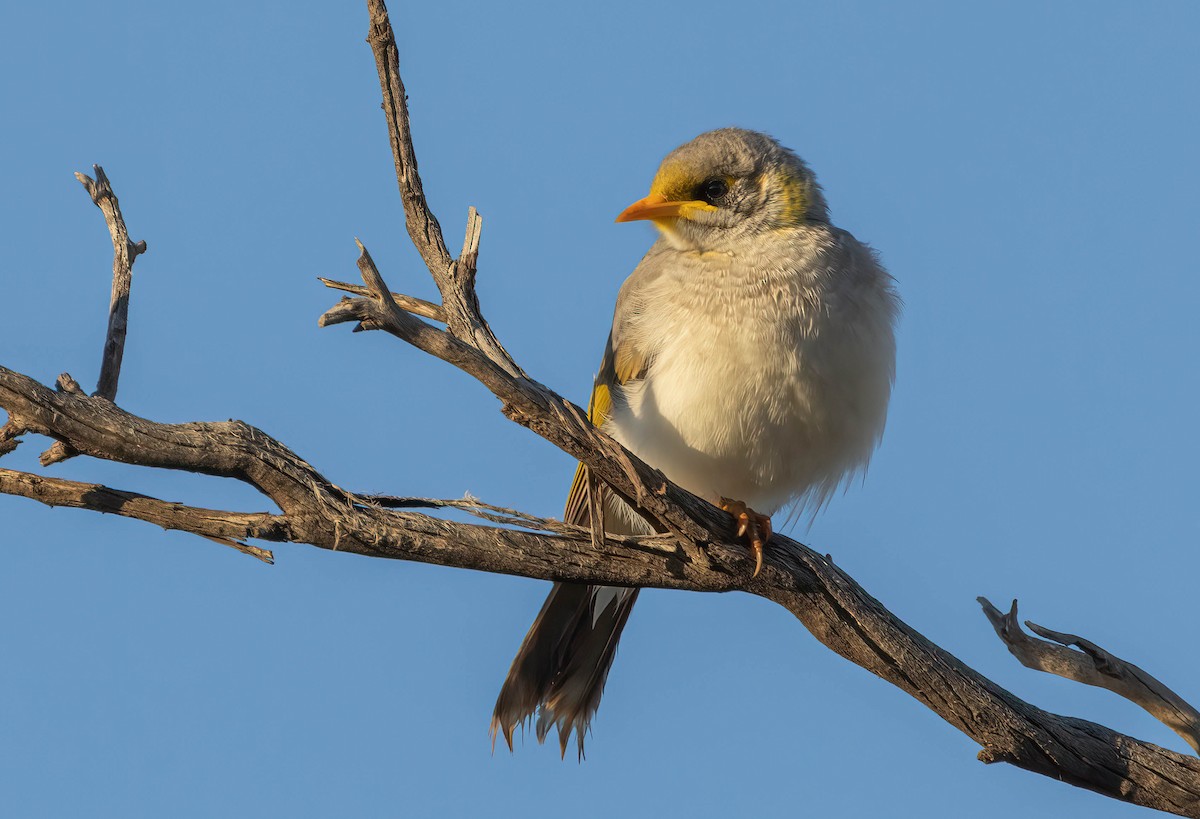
(751, 360)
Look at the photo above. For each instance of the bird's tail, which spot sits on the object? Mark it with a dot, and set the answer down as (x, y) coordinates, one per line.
(559, 672)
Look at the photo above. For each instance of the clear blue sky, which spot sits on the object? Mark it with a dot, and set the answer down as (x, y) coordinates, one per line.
(1028, 172)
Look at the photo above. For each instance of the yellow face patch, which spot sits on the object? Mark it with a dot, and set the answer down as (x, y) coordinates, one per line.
(678, 183)
(674, 183)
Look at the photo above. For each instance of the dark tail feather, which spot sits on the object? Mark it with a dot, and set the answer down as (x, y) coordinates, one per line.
(560, 670)
(538, 659)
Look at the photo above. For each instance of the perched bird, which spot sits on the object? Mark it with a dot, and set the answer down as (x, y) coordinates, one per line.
(751, 360)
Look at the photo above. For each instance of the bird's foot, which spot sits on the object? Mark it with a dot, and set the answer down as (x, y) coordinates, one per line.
(754, 527)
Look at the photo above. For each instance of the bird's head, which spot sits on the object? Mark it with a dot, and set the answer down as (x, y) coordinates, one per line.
(726, 185)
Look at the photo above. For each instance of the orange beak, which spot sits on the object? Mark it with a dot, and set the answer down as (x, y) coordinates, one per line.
(656, 206)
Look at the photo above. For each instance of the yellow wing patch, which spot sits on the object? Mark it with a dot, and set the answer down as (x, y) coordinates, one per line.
(628, 364)
(577, 499)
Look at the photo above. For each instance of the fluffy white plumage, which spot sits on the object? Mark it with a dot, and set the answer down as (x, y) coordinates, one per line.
(770, 367)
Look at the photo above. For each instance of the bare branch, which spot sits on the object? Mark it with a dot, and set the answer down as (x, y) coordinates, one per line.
(837, 611)
(419, 307)
(455, 278)
(423, 227)
(319, 513)
(125, 252)
(1093, 665)
(222, 527)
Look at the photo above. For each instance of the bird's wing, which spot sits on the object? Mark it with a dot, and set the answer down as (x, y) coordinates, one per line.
(621, 364)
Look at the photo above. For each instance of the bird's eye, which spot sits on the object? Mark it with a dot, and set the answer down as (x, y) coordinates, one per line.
(713, 190)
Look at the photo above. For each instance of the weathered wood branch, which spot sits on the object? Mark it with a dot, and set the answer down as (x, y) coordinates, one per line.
(697, 550)
(228, 528)
(455, 278)
(317, 512)
(125, 252)
(1093, 665)
(410, 304)
(837, 611)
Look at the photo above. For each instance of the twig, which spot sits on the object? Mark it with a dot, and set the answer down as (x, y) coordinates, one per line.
(515, 517)
(473, 506)
(264, 555)
(411, 304)
(1093, 665)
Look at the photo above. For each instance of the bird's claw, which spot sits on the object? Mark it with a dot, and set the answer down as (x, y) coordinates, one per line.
(754, 527)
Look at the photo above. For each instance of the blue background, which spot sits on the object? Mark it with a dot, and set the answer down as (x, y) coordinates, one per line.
(1028, 172)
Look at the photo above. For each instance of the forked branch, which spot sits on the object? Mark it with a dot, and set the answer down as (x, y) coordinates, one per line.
(1093, 665)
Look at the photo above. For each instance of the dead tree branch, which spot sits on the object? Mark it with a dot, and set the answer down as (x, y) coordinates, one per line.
(409, 304)
(317, 512)
(223, 527)
(1093, 665)
(125, 252)
(696, 551)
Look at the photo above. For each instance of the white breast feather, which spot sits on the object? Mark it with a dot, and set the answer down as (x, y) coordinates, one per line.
(769, 378)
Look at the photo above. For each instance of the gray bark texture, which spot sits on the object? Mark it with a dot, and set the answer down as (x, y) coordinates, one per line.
(696, 548)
